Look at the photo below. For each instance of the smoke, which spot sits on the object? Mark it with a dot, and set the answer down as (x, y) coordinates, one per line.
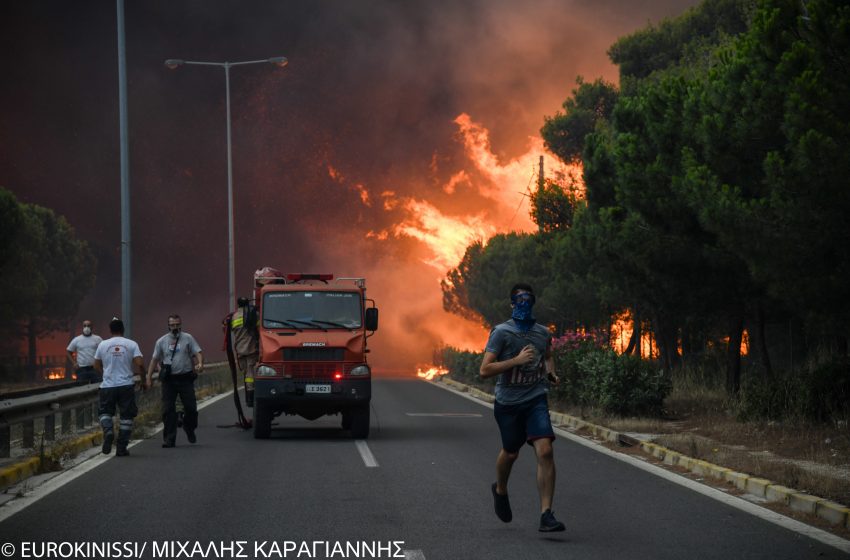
(399, 133)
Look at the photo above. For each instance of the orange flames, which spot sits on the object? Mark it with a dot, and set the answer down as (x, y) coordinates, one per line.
(447, 237)
(622, 329)
(431, 372)
(435, 218)
(509, 183)
(55, 373)
(334, 174)
(505, 186)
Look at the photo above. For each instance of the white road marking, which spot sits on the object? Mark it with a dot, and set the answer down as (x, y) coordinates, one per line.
(733, 501)
(366, 453)
(461, 394)
(414, 555)
(445, 414)
(16, 505)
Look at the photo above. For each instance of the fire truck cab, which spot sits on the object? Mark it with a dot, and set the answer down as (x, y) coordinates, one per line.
(312, 361)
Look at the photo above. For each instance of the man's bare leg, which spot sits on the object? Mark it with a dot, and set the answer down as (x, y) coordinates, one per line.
(504, 464)
(545, 472)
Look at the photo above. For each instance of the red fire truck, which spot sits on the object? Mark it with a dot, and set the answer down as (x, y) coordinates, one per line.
(313, 330)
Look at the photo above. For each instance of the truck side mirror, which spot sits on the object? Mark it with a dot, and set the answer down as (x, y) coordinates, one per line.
(371, 318)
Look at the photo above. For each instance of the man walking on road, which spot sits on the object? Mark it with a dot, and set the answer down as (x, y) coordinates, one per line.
(180, 361)
(84, 346)
(519, 351)
(117, 359)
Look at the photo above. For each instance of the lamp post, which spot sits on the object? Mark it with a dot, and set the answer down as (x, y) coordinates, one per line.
(173, 64)
(126, 289)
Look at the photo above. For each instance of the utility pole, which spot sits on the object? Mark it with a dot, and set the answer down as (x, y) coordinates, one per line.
(541, 180)
(126, 293)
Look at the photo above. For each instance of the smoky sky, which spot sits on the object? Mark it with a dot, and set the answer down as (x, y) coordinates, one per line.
(371, 92)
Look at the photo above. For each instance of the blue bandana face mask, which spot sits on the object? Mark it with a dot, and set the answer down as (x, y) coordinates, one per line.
(523, 306)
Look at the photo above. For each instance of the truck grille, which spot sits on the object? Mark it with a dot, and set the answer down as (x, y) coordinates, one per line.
(313, 354)
(307, 370)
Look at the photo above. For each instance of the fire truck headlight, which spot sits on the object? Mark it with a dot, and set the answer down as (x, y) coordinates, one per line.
(360, 371)
(265, 371)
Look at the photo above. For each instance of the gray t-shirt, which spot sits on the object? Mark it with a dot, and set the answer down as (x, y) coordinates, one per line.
(85, 347)
(523, 383)
(186, 348)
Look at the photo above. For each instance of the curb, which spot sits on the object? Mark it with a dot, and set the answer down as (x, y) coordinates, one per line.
(13, 474)
(473, 391)
(834, 513)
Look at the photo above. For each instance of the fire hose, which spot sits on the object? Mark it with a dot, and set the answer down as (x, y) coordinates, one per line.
(241, 421)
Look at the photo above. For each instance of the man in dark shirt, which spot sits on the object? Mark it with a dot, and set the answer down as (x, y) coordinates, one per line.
(519, 351)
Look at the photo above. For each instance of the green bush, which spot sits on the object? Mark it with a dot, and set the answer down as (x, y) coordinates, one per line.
(590, 376)
(828, 395)
(463, 366)
(819, 393)
(620, 384)
(573, 387)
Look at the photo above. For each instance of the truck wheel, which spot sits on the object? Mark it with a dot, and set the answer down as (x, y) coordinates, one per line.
(346, 420)
(360, 422)
(262, 420)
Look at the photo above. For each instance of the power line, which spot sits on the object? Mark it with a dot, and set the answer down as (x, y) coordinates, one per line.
(527, 193)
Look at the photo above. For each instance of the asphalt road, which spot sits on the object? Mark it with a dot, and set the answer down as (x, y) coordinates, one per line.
(435, 455)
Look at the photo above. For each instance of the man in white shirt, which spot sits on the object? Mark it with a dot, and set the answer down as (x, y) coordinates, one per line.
(84, 347)
(117, 359)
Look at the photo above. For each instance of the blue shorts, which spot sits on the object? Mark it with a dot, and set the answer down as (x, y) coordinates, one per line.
(523, 422)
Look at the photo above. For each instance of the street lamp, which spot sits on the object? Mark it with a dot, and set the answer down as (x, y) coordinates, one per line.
(172, 64)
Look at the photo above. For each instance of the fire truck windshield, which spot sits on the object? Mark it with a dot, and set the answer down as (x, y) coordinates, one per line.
(311, 310)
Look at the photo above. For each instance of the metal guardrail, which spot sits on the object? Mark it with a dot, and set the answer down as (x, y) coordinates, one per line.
(25, 410)
(80, 401)
(9, 395)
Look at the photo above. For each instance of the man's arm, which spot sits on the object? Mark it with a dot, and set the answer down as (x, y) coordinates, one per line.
(139, 366)
(490, 367)
(151, 367)
(549, 363)
(98, 366)
(198, 359)
(71, 350)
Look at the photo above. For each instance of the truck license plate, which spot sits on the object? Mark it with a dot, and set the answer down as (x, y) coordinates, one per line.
(322, 389)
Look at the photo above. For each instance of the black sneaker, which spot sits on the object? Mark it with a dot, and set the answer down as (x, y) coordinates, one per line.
(108, 438)
(191, 436)
(168, 444)
(502, 505)
(122, 451)
(548, 523)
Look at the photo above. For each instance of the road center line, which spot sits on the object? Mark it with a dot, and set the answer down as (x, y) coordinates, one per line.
(445, 414)
(366, 453)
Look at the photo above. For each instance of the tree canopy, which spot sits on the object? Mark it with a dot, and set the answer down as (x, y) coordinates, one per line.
(45, 270)
(716, 186)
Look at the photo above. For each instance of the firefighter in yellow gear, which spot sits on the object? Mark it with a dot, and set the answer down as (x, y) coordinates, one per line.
(245, 332)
